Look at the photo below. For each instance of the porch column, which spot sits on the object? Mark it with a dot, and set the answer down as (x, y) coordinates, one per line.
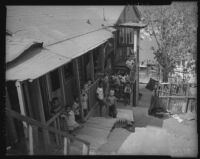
(77, 78)
(137, 66)
(21, 105)
(91, 65)
(41, 113)
(10, 122)
(62, 81)
(102, 52)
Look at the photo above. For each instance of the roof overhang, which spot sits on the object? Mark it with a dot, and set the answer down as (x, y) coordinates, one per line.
(139, 25)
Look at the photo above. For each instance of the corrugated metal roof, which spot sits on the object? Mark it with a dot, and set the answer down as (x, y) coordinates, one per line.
(15, 46)
(110, 13)
(80, 45)
(46, 60)
(54, 22)
(41, 63)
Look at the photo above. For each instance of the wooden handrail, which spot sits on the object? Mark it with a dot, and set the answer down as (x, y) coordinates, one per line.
(192, 97)
(54, 117)
(38, 124)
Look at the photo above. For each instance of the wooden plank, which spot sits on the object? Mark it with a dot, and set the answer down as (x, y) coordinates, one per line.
(21, 104)
(35, 138)
(56, 126)
(181, 97)
(41, 125)
(91, 65)
(30, 131)
(66, 146)
(42, 115)
(84, 150)
(62, 81)
(77, 78)
(59, 128)
(28, 98)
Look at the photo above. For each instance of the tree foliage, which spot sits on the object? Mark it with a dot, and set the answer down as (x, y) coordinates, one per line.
(175, 29)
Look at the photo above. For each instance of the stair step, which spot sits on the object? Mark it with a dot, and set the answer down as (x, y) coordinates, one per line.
(94, 125)
(94, 132)
(95, 142)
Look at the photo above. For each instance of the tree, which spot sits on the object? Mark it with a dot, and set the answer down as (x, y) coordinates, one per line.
(175, 29)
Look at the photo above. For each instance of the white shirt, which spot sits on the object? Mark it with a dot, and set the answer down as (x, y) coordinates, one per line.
(100, 93)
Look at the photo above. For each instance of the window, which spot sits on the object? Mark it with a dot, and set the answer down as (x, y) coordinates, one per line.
(55, 82)
(125, 36)
(68, 70)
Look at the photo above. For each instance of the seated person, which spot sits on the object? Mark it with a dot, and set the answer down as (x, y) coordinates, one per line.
(69, 116)
(55, 106)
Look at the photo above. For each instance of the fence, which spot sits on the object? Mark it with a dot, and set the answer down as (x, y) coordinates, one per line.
(176, 98)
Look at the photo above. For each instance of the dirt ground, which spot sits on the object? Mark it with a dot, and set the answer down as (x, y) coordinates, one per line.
(153, 136)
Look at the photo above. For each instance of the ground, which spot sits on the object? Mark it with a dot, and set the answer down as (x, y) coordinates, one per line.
(153, 136)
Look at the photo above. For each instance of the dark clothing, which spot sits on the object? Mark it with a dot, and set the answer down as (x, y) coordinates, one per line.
(102, 104)
(113, 111)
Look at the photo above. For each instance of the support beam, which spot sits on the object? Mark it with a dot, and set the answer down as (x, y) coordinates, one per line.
(91, 65)
(42, 115)
(30, 132)
(28, 98)
(77, 78)
(62, 81)
(137, 65)
(21, 105)
(66, 146)
(10, 122)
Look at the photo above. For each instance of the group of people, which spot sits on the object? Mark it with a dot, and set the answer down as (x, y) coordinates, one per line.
(107, 102)
(122, 85)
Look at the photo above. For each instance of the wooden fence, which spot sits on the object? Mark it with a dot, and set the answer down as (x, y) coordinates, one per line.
(176, 98)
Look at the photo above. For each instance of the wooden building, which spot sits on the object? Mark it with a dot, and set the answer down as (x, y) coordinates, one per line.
(50, 55)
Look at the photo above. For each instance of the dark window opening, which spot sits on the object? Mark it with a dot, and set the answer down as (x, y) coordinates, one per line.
(68, 70)
(55, 82)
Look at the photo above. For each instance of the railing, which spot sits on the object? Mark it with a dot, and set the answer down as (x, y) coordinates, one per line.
(175, 97)
(32, 124)
(92, 94)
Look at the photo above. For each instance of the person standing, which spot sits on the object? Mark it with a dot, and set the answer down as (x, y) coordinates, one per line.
(84, 102)
(112, 100)
(100, 97)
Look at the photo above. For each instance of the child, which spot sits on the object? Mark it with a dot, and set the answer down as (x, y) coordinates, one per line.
(55, 106)
(76, 108)
(112, 104)
(127, 92)
(84, 102)
(69, 116)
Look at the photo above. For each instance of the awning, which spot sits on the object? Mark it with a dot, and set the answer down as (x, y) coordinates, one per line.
(75, 47)
(41, 63)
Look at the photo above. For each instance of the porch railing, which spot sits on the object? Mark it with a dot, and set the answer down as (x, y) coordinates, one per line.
(92, 94)
(32, 124)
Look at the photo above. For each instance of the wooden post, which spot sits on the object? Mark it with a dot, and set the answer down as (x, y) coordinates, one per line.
(75, 64)
(49, 91)
(22, 106)
(56, 126)
(66, 146)
(10, 120)
(59, 128)
(84, 150)
(42, 115)
(168, 100)
(91, 65)
(30, 132)
(137, 67)
(62, 81)
(28, 98)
